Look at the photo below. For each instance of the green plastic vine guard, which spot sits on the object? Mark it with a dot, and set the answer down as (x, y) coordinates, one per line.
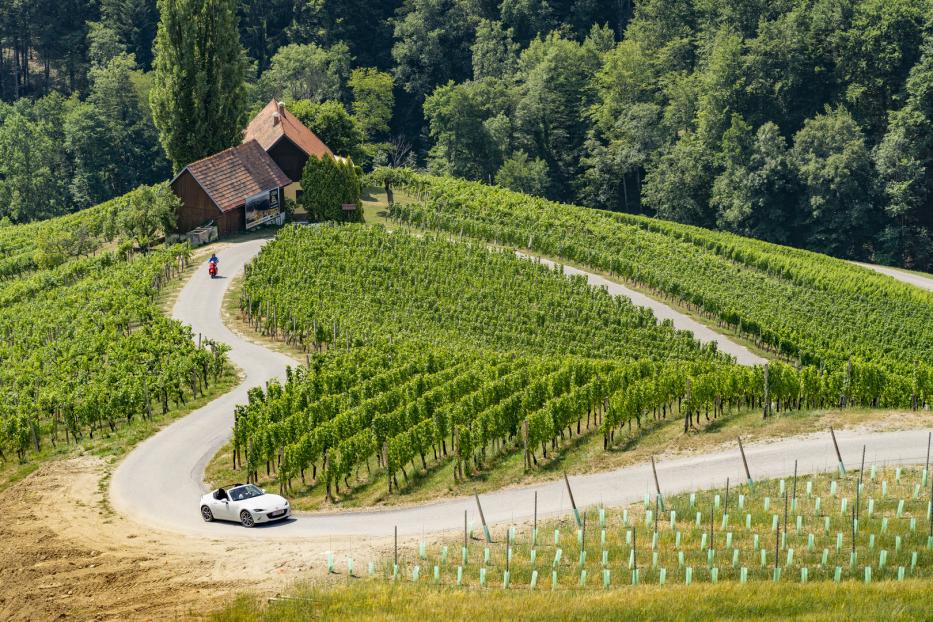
(884, 488)
(913, 561)
(804, 574)
(583, 578)
(714, 574)
(693, 499)
(330, 563)
(867, 575)
(882, 559)
(729, 540)
(843, 504)
(853, 559)
(558, 554)
(764, 558)
(677, 539)
(735, 557)
(741, 502)
(756, 541)
(838, 541)
(873, 473)
(743, 575)
(662, 576)
(817, 504)
(533, 556)
(781, 488)
(811, 541)
(809, 488)
(900, 573)
(635, 577)
(394, 571)
(444, 554)
(371, 570)
(710, 556)
(699, 518)
(505, 579)
(606, 577)
(825, 559)
(897, 544)
(688, 575)
(422, 550)
(832, 488)
(350, 566)
(767, 504)
(790, 557)
(716, 501)
(605, 558)
(459, 576)
(553, 579)
(673, 520)
(900, 508)
(777, 574)
(534, 579)
(556, 537)
(725, 520)
(485, 554)
(774, 522)
(884, 525)
(437, 575)
(463, 555)
(680, 559)
(703, 541)
(582, 558)
(602, 537)
(654, 559)
(748, 521)
(415, 573)
(482, 577)
(897, 474)
(837, 574)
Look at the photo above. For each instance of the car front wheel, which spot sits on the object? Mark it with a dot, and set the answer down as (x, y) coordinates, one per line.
(206, 514)
(247, 519)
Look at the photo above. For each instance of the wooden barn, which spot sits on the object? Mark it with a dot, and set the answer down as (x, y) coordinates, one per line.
(287, 141)
(238, 188)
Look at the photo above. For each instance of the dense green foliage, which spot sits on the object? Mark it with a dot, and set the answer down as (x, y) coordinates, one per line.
(83, 343)
(809, 307)
(198, 99)
(801, 122)
(331, 184)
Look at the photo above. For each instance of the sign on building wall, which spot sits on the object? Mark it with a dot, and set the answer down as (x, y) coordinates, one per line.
(263, 207)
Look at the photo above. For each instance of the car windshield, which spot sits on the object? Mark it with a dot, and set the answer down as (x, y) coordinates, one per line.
(244, 492)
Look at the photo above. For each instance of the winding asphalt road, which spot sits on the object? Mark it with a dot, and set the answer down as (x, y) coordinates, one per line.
(158, 484)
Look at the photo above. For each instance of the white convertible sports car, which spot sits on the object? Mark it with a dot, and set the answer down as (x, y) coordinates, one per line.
(245, 503)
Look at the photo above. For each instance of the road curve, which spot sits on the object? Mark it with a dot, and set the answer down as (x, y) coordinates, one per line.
(701, 333)
(158, 483)
(911, 278)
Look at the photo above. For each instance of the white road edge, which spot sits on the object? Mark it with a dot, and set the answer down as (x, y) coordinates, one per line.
(159, 483)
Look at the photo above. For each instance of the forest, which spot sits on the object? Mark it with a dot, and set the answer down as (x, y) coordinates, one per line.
(801, 122)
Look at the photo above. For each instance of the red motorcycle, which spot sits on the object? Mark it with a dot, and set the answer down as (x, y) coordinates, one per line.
(212, 269)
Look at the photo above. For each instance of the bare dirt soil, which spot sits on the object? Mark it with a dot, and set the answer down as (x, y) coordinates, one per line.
(64, 555)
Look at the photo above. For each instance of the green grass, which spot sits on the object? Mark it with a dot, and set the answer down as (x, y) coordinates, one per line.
(698, 603)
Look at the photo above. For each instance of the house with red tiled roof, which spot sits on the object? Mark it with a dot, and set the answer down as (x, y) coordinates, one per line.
(238, 188)
(287, 140)
(247, 185)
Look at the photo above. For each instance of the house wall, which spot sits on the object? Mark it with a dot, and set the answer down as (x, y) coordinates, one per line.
(290, 158)
(198, 208)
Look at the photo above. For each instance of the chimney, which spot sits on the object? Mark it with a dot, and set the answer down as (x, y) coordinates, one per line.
(276, 118)
(281, 109)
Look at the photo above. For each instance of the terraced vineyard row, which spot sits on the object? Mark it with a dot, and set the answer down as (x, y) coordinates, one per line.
(84, 346)
(808, 307)
(424, 350)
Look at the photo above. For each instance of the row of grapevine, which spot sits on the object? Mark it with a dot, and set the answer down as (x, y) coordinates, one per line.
(84, 348)
(813, 309)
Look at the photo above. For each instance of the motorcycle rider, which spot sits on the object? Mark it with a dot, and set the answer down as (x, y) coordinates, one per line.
(212, 265)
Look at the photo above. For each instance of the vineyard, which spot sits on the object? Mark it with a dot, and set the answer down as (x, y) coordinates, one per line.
(807, 307)
(84, 346)
(426, 352)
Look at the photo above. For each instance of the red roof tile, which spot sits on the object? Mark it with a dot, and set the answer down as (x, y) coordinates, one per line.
(275, 121)
(235, 174)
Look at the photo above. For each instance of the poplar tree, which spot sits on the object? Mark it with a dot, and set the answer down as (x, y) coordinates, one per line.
(198, 96)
